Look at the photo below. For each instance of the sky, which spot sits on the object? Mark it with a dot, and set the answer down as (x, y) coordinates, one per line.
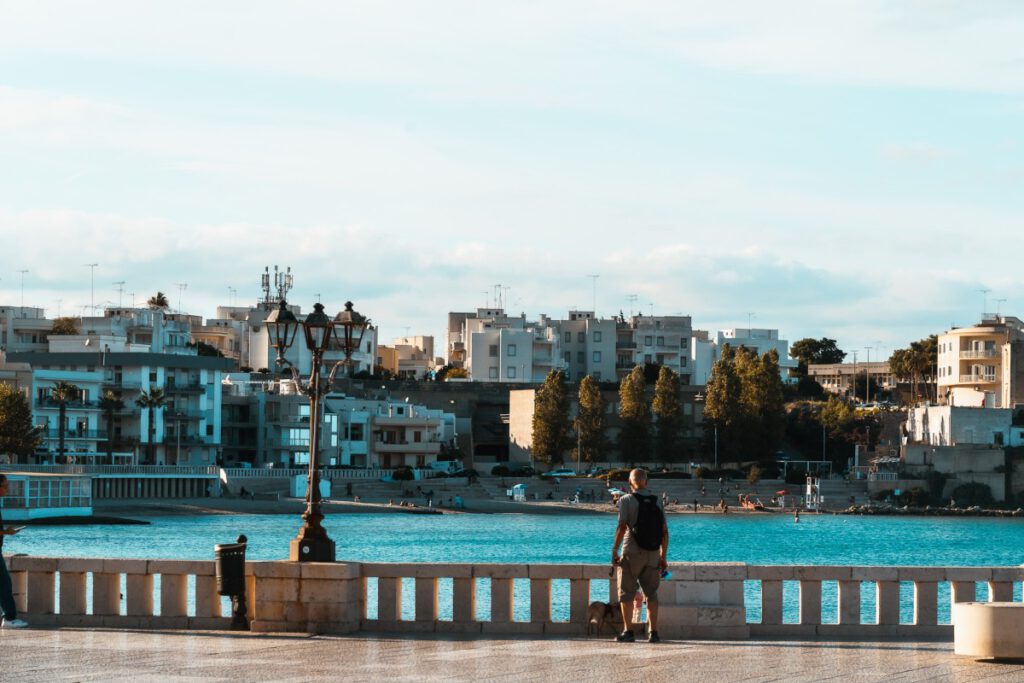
(843, 169)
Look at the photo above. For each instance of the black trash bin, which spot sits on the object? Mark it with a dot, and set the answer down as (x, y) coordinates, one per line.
(229, 561)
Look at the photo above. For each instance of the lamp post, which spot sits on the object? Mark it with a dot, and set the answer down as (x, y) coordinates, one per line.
(312, 543)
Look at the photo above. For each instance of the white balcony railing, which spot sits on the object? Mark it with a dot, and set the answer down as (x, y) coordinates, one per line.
(977, 379)
(982, 353)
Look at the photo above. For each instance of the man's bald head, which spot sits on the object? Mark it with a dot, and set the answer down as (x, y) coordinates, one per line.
(638, 478)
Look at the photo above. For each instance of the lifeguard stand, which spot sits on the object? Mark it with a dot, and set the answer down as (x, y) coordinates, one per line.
(813, 500)
(519, 493)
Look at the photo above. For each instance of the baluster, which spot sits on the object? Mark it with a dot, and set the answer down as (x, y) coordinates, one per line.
(540, 601)
(926, 603)
(771, 602)
(501, 600)
(579, 600)
(389, 598)
(426, 598)
(173, 595)
(463, 599)
(810, 602)
(887, 608)
(849, 602)
(72, 593)
(106, 594)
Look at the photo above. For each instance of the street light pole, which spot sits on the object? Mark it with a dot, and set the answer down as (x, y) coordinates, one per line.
(312, 543)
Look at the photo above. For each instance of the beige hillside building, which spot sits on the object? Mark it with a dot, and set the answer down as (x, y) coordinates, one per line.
(982, 365)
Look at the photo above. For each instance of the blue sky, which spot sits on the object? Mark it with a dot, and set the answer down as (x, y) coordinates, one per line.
(842, 169)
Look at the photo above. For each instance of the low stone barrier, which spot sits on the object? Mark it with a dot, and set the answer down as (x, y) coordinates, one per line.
(702, 600)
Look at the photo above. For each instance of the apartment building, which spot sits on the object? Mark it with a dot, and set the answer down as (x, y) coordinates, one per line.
(706, 351)
(661, 340)
(840, 378)
(407, 357)
(128, 352)
(355, 432)
(987, 358)
(23, 328)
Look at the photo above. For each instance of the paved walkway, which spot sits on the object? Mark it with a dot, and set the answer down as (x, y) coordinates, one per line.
(171, 656)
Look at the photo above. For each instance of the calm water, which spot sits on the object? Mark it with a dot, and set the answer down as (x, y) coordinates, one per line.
(768, 539)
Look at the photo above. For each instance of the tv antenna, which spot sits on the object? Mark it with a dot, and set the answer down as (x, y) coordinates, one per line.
(631, 298)
(984, 300)
(120, 292)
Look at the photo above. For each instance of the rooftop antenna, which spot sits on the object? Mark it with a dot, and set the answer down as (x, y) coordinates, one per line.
(120, 292)
(999, 306)
(984, 299)
(593, 285)
(232, 295)
(631, 298)
(92, 286)
(265, 284)
(497, 295)
(182, 286)
(283, 282)
(23, 288)
(750, 314)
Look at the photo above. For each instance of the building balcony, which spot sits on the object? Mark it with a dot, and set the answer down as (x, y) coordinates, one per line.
(114, 383)
(196, 389)
(978, 379)
(625, 344)
(50, 404)
(426, 447)
(91, 434)
(984, 353)
(405, 421)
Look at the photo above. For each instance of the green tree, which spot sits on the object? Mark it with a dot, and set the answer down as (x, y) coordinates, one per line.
(61, 394)
(817, 351)
(152, 400)
(110, 403)
(592, 421)
(158, 301)
(634, 417)
(722, 407)
(64, 326)
(18, 436)
(917, 364)
(551, 424)
(668, 413)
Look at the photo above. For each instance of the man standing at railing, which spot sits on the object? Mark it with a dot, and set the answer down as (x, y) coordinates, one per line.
(643, 534)
(7, 605)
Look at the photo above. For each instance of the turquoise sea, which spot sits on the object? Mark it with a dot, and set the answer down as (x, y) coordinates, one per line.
(754, 539)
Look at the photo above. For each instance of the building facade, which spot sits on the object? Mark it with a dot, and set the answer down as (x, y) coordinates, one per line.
(987, 358)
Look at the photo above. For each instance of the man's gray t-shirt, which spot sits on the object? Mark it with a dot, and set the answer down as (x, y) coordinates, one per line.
(629, 509)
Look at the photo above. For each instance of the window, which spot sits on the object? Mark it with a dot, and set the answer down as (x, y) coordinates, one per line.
(568, 337)
(648, 340)
(661, 341)
(356, 432)
(511, 349)
(568, 356)
(492, 350)
(597, 336)
(596, 375)
(597, 356)
(682, 343)
(510, 372)
(647, 358)
(417, 437)
(581, 337)
(581, 357)
(492, 373)
(682, 361)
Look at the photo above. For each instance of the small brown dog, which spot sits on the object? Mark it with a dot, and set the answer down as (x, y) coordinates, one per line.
(600, 614)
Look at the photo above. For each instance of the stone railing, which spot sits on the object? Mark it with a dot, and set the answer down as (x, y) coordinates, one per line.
(712, 601)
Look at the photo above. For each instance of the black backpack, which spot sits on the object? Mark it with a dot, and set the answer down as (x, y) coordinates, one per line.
(650, 523)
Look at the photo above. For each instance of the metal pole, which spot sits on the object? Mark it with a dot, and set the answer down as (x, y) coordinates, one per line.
(177, 429)
(716, 446)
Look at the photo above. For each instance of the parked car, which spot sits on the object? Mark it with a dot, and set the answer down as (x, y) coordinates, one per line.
(561, 472)
(521, 471)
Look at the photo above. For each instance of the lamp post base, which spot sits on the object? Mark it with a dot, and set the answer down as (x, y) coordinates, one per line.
(311, 550)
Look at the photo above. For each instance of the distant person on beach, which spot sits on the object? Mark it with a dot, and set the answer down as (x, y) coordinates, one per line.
(7, 605)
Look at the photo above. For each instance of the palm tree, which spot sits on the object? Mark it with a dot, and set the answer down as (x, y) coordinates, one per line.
(159, 300)
(110, 404)
(63, 392)
(151, 400)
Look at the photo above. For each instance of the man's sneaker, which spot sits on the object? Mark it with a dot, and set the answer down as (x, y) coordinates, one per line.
(653, 638)
(15, 623)
(625, 637)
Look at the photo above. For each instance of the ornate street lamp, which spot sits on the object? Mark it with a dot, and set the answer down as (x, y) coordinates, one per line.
(312, 543)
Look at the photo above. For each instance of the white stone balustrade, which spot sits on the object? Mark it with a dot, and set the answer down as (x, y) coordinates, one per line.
(702, 600)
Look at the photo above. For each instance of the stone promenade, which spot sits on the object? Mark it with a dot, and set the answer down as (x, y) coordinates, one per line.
(69, 654)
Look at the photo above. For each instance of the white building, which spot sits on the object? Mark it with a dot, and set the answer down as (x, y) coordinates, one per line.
(987, 358)
(707, 352)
